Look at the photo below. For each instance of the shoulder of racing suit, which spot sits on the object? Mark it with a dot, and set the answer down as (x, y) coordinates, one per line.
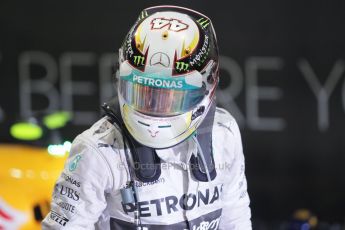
(105, 138)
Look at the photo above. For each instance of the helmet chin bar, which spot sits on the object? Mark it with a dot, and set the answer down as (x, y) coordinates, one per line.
(163, 132)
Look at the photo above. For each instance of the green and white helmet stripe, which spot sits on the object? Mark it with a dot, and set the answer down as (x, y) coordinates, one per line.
(165, 82)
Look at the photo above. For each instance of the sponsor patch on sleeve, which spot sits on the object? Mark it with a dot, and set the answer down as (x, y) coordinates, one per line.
(58, 218)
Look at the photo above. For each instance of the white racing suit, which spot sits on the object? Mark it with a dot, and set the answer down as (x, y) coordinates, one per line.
(87, 194)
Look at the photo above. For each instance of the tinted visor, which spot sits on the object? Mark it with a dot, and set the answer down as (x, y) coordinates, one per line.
(160, 94)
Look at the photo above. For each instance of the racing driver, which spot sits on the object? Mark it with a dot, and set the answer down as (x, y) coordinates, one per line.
(163, 156)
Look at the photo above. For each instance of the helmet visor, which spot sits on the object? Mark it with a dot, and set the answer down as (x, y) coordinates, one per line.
(158, 93)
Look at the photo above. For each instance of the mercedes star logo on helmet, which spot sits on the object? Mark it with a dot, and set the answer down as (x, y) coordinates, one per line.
(160, 58)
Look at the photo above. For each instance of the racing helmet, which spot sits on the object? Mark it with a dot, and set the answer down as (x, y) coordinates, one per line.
(167, 75)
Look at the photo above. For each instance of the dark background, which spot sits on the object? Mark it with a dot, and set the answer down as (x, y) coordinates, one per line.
(298, 163)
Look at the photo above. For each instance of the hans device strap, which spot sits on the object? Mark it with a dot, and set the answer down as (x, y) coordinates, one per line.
(204, 137)
(147, 165)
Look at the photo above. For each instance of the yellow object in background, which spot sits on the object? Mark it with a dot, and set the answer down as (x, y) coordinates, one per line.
(27, 178)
